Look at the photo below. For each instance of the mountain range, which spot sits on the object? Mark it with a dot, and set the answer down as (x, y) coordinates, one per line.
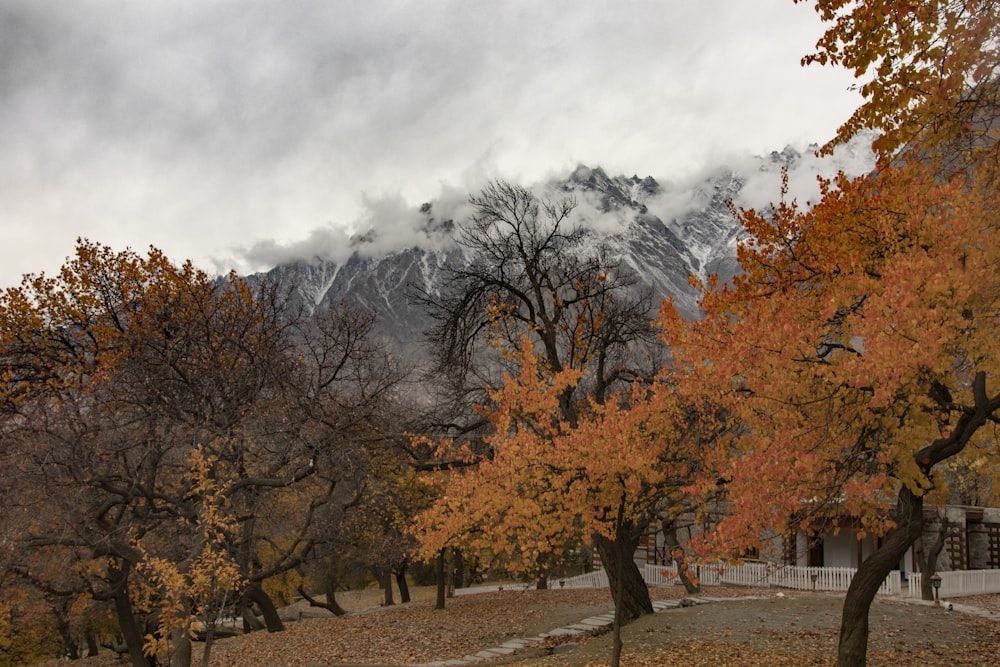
(630, 214)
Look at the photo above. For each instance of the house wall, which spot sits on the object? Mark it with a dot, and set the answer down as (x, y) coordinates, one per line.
(984, 540)
(801, 549)
(973, 543)
(973, 540)
(772, 550)
(841, 550)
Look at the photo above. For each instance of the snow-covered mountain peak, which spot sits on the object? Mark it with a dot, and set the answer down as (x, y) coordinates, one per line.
(623, 212)
(616, 192)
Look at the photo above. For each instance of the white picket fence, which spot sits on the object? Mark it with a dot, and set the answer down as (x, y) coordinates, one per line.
(772, 575)
(960, 583)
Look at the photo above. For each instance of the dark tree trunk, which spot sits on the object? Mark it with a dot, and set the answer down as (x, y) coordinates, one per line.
(618, 594)
(853, 647)
(627, 585)
(690, 587)
(70, 649)
(331, 597)
(404, 588)
(387, 587)
(206, 652)
(458, 570)
(672, 546)
(180, 644)
(127, 623)
(331, 603)
(92, 646)
(439, 571)
(250, 621)
(272, 621)
(927, 558)
(544, 566)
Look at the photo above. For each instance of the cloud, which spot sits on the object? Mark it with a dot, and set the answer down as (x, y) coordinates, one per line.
(389, 222)
(321, 243)
(205, 126)
(763, 184)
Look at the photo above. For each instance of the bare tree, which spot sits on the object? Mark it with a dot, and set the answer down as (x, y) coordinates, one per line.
(528, 270)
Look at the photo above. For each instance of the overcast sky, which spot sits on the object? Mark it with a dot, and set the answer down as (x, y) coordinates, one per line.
(231, 132)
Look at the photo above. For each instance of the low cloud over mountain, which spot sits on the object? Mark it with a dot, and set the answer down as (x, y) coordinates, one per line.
(665, 230)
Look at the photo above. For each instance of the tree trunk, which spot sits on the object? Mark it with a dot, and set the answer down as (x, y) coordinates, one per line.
(458, 571)
(853, 648)
(439, 571)
(618, 595)
(545, 568)
(331, 603)
(206, 653)
(672, 546)
(272, 621)
(618, 559)
(387, 587)
(927, 558)
(180, 644)
(70, 649)
(404, 588)
(690, 587)
(331, 597)
(250, 621)
(92, 646)
(126, 620)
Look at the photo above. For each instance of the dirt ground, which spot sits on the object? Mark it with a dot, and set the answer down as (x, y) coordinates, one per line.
(756, 627)
(795, 629)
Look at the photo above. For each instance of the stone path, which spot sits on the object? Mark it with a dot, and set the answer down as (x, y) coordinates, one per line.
(954, 606)
(602, 623)
(593, 625)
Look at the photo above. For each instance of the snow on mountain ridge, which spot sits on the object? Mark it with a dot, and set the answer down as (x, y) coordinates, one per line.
(662, 237)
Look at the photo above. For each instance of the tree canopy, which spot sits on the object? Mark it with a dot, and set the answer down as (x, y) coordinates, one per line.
(858, 350)
(927, 70)
(172, 438)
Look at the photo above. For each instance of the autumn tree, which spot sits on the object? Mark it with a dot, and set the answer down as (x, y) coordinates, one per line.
(529, 270)
(202, 585)
(349, 386)
(113, 372)
(855, 356)
(547, 483)
(856, 353)
(378, 526)
(927, 72)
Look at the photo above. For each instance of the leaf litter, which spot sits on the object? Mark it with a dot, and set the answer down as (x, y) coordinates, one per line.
(795, 629)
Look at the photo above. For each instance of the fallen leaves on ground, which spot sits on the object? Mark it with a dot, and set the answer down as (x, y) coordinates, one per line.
(797, 629)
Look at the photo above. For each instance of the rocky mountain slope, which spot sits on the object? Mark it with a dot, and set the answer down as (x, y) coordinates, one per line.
(637, 217)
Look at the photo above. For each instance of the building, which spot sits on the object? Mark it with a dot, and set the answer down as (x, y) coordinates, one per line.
(972, 542)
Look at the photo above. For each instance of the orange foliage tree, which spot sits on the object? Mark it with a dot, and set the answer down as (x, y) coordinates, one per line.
(530, 272)
(927, 70)
(857, 352)
(547, 482)
(857, 355)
